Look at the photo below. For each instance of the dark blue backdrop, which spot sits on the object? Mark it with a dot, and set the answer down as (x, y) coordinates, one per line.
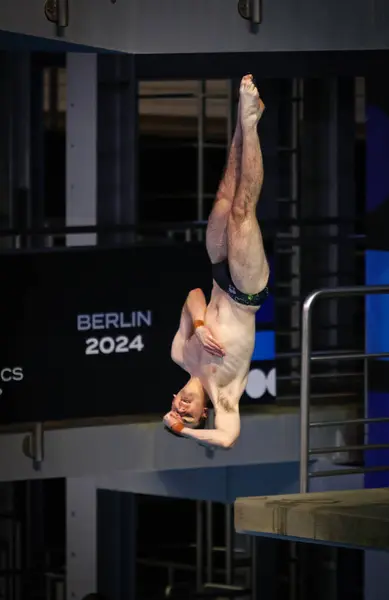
(54, 365)
(377, 272)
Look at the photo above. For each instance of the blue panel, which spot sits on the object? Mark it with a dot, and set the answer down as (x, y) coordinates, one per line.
(377, 142)
(377, 307)
(378, 406)
(264, 346)
(266, 313)
(377, 273)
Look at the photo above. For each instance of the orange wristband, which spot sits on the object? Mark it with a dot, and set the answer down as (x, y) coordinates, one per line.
(198, 323)
(177, 427)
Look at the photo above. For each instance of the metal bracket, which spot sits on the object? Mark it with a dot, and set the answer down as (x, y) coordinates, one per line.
(57, 11)
(251, 10)
(33, 446)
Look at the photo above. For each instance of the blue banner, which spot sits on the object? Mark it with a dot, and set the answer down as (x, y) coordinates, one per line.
(377, 273)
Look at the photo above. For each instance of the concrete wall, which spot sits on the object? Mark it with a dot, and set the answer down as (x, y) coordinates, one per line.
(265, 439)
(151, 26)
(225, 484)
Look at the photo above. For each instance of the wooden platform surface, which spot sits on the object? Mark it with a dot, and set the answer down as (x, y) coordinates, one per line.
(358, 518)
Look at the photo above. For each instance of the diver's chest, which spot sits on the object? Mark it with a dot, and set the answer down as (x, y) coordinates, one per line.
(217, 369)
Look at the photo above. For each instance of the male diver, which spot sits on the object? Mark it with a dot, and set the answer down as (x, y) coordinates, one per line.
(214, 343)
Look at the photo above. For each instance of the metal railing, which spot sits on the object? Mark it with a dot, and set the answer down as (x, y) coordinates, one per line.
(306, 358)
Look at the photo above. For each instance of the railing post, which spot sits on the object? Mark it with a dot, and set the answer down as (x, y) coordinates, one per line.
(306, 358)
(305, 390)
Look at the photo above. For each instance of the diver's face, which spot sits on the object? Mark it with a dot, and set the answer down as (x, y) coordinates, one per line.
(189, 407)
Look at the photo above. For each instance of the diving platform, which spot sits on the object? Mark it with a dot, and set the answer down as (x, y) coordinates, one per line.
(354, 518)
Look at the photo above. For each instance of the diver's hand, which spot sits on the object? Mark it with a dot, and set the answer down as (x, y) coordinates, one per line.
(209, 343)
(173, 422)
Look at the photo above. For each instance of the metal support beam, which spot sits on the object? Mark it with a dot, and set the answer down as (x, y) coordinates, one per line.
(81, 146)
(37, 150)
(264, 576)
(5, 145)
(328, 191)
(209, 541)
(81, 537)
(21, 140)
(117, 144)
(199, 545)
(116, 543)
(229, 542)
(271, 90)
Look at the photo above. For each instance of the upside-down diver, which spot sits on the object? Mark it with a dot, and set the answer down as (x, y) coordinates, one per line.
(214, 343)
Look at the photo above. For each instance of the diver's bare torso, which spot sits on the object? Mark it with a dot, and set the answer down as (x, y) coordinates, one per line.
(233, 325)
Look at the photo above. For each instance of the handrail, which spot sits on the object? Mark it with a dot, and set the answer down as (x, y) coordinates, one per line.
(306, 358)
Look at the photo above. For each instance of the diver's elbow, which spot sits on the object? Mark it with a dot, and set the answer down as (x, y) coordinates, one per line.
(229, 441)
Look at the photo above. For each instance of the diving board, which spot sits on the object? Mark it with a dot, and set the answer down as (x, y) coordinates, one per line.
(357, 518)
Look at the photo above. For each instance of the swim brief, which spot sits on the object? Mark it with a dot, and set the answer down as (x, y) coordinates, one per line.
(222, 276)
